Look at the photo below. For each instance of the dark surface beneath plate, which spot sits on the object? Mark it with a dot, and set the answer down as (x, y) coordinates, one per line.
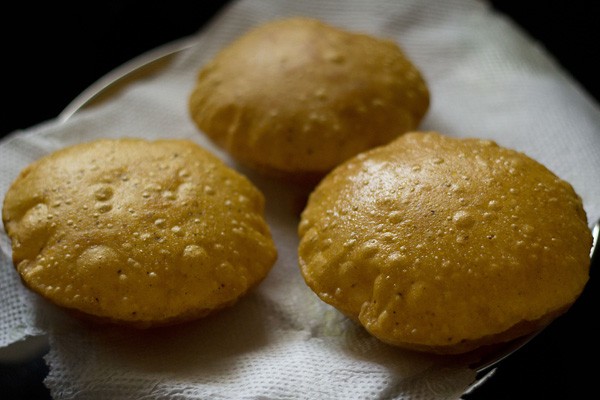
(53, 52)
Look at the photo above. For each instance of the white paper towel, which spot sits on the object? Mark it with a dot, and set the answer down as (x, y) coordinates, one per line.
(487, 79)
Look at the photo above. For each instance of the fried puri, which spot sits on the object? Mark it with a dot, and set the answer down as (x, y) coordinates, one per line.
(137, 232)
(444, 245)
(296, 96)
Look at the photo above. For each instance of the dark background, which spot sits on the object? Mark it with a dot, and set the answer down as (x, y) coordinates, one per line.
(52, 52)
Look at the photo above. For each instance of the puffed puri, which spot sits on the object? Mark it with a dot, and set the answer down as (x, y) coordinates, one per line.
(444, 245)
(294, 97)
(136, 232)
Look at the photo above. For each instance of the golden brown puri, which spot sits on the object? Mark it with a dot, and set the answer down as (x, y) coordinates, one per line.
(137, 232)
(443, 245)
(297, 96)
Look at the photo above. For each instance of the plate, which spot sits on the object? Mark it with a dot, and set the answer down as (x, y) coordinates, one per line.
(143, 66)
(153, 62)
(484, 361)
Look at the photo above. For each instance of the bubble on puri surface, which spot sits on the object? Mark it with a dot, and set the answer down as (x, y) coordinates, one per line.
(463, 219)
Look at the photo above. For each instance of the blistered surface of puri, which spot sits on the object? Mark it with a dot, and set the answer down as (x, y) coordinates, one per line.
(435, 241)
(137, 231)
